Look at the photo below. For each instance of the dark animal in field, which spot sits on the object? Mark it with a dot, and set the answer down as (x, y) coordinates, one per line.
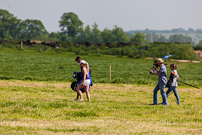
(3, 41)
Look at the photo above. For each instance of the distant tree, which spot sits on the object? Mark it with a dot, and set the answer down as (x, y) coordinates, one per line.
(9, 25)
(88, 33)
(96, 34)
(80, 36)
(149, 38)
(138, 38)
(191, 30)
(118, 35)
(106, 35)
(200, 43)
(180, 38)
(70, 24)
(84, 35)
(64, 37)
(199, 31)
(155, 37)
(162, 39)
(32, 28)
(199, 46)
(53, 35)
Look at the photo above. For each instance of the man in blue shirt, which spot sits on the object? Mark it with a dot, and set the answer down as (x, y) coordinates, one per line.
(162, 74)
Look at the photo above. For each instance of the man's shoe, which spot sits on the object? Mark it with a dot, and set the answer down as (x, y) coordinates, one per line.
(153, 104)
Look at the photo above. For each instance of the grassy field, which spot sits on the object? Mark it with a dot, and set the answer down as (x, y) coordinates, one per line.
(31, 107)
(36, 97)
(59, 66)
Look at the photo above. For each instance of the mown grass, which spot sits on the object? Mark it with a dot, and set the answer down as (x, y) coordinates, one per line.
(59, 66)
(30, 107)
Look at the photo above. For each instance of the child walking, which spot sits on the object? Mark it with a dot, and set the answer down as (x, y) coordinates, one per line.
(173, 82)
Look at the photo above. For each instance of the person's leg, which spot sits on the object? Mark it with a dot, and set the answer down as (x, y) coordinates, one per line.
(176, 95)
(155, 97)
(168, 91)
(163, 94)
(87, 92)
(79, 93)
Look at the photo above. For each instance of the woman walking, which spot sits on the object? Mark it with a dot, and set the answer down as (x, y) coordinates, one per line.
(85, 82)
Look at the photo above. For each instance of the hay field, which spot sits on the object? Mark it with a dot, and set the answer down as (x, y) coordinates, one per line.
(31, 107)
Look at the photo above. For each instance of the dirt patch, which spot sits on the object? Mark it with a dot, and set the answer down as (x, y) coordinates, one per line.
(182, 60)
(198, 53)
(185, 61)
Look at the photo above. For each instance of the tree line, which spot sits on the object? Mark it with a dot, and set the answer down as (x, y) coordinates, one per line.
(72, 29)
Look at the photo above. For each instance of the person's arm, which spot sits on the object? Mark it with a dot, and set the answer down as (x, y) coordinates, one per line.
(84, 75)
(156, 71)
(178, 77)
(174, 73)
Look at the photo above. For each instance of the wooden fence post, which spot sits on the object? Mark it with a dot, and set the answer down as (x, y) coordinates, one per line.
(110, 71)
(21, 45)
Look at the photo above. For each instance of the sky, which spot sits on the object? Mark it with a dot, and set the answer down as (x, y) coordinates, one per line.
(127, 14)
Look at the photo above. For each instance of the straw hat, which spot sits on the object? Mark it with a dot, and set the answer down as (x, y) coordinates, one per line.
(159, 60)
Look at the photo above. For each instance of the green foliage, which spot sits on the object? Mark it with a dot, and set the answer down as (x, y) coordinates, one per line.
(106, 36)
(154, 50)
(138, 38)
(32, 28)
(9, 25)
(70, 24)
(180, 38)
(198, 47)
(118, 35)
(96, 34)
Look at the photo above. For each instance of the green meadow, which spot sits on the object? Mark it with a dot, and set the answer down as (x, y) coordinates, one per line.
(36, 97)
(59, 66)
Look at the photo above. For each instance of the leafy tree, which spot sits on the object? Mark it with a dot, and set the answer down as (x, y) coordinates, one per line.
(96, 34)
(106, 35)
(32, 28)
(70, 24)
(118, 35)
(84, 35)
(87, 33)
(9, 25)
(138, 38)
(80, 36)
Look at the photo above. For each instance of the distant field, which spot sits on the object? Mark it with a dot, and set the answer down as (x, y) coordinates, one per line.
(59, 66)
(30, 107)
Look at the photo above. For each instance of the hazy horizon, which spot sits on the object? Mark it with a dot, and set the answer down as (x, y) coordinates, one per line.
(127, 14)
